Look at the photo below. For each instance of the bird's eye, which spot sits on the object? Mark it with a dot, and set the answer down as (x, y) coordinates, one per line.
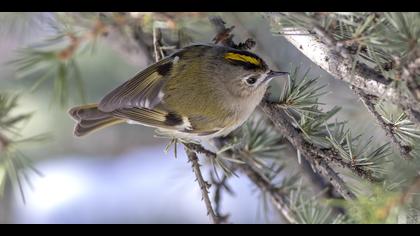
(251, 80)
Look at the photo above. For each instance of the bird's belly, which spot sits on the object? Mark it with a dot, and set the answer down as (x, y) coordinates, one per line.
(207, 112)
(239, 116)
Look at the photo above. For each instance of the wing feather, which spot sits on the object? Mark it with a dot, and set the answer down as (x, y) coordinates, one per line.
(140, 91)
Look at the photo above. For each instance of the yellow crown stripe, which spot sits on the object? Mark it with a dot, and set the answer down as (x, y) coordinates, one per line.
(244, 58)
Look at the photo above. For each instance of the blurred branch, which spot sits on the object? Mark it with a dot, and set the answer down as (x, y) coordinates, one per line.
(220, 186)
(4, 142)
(410, 73)
(125, 35)
(130, 47)
(279, 199)
(204, 186)
(14, 164)
(388, 128)
(122, 33)
(224, 36)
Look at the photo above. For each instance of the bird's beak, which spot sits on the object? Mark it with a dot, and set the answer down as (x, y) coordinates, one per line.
(273, 74)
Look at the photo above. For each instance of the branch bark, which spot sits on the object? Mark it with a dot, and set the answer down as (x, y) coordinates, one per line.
(313, 153)
(388, 128)
(339, 67)
(204, 186)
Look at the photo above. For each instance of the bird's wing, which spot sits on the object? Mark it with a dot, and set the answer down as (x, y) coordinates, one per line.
(142, 91)
(138, 99)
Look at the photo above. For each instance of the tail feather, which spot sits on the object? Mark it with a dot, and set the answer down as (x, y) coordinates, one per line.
(91, 119)
(87, 112)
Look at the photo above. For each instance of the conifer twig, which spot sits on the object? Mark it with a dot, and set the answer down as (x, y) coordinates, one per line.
(204, 186)
(313, 154)
(200, 149)
(334, 58)
(278, 198)
(388, 128)
(280, 120)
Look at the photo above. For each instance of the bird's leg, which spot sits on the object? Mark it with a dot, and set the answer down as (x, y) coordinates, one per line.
(172, 141)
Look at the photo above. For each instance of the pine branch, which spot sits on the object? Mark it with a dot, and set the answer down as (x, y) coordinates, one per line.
(200, 149)
(279, 199)
(321, 184)
(280, 194)
(280, 120)
(388, 128)
(204, 186)
(13, 163)
(314, 155)
(55, 58)
(336, 59)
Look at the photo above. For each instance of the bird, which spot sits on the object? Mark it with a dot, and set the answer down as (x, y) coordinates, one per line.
(199, 92)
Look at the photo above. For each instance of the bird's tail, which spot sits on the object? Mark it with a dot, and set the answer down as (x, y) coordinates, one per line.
(89, 119)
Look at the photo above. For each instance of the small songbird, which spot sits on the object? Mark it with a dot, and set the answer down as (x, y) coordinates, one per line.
(201, 91)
